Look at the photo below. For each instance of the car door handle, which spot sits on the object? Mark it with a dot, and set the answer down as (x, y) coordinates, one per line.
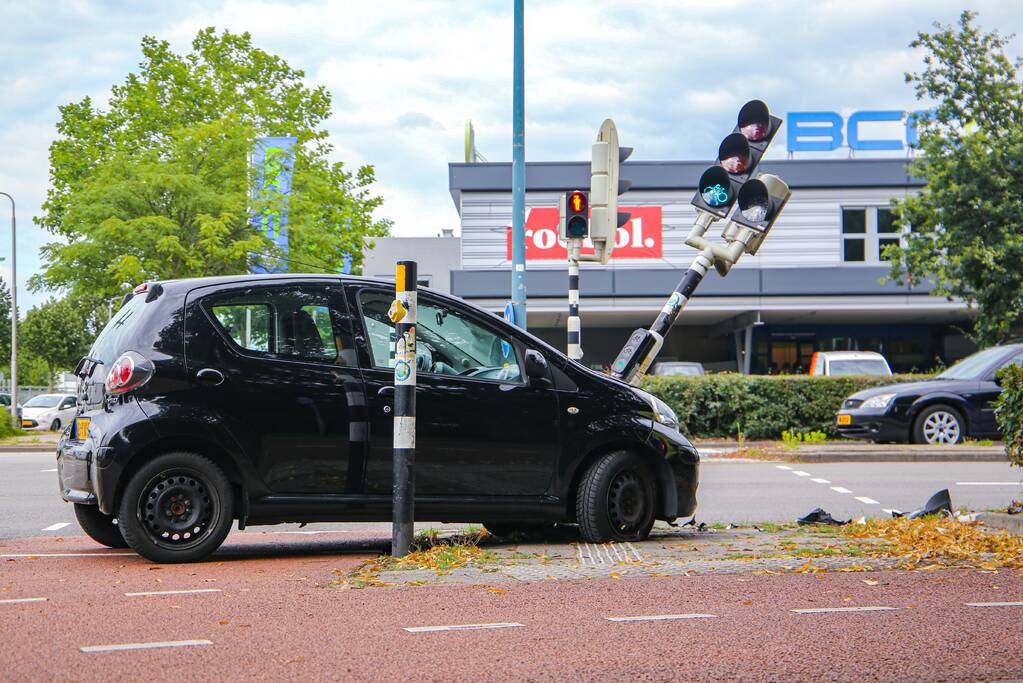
(210, 376)
(386, 391)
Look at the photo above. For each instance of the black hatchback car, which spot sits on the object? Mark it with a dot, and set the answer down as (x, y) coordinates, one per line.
(267, 399)
(942, 410)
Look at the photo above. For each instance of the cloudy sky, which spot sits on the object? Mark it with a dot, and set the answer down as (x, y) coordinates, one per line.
(405, 75)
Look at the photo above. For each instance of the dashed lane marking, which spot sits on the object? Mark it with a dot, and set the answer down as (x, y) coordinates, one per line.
(988, 483)
(867, 501)
(783, 467)
(822, 610)
(840, 489)
(800, 473)
(664, 617)
(69, 555)
(818, 480)
(891, 511)
(180, 592)
(53, 470)
(143, 646)
(994, 604)
(15, 601)
(56, 527)
(460, 627)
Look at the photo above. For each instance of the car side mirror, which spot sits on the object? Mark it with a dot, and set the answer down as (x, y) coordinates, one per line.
(536, 365)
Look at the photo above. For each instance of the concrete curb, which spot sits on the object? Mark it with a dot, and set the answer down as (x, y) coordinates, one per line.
(954, 454)
(1000, 520)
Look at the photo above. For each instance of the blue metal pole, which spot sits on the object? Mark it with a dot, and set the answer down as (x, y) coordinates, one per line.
(518, 276)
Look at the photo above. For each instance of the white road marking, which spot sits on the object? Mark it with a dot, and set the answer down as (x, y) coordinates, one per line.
(822, 610)
(69, 555)
(988, 483)
(867, 501)
(840, 489)
(783, 467)
(664, 617)
(639, 558)
(800, 473)
(459, 627)
(994, 604)
(891, 510)
(818, 480)
(56, 527)
(53, 470)
(143, 646)
(180, 592)
(12, 601)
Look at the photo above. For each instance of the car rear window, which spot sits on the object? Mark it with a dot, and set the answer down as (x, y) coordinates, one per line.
(859, 366)
(110, 342)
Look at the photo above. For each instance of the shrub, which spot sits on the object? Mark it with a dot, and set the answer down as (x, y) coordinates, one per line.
(1009, 412)
(764, 405)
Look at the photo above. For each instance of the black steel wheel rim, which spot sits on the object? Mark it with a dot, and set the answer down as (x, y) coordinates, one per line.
(627, 502)
(179, 509)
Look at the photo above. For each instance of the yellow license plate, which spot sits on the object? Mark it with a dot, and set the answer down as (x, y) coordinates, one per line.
(26, 423)
(845, 419)
(82, 427)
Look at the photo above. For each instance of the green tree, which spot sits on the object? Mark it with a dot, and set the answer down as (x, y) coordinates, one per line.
(963, 229)
(55, 332)
(158, 184)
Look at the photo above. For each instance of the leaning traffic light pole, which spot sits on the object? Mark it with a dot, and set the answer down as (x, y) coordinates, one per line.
(602, 225)
(729, 182)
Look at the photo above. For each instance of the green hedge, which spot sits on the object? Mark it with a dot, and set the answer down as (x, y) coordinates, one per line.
(760, 406)
(1009, 412)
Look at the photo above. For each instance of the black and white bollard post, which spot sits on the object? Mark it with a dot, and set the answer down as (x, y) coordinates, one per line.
(575, 327)
(403, 314)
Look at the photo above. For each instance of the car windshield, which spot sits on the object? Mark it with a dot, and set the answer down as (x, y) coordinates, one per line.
(858, 366)
(44, 401)
(971, 366)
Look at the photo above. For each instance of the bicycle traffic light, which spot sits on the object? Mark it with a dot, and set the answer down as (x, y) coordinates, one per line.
(605, 186)
(574, 222)
(738, 156)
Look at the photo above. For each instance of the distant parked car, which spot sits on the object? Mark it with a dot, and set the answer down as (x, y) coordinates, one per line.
(49, 411)
(942, 410)
(842, 363)
(678, 368)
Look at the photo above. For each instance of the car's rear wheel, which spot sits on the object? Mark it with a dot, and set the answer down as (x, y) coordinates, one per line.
(176, 508)
(99, 527)
(616, 499)
(939, 424)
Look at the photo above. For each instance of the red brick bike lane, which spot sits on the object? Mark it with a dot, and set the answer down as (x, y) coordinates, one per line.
(266, 611)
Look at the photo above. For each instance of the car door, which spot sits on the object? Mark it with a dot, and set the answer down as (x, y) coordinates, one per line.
(275, 363)
(987, 393)
(481, 427)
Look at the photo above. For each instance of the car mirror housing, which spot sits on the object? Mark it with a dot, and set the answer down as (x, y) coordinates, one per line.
(536, 365)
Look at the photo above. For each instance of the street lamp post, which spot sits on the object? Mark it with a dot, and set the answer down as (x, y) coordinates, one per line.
(14, 314)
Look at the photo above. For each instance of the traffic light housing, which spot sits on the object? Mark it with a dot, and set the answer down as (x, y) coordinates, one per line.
(760, 202)
(605, 186)
(573, 209)
(738, 156)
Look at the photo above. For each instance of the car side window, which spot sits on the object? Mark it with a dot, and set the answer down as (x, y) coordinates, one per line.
(286, 322)
(448, 342)
(1015, 360)
(69, 402)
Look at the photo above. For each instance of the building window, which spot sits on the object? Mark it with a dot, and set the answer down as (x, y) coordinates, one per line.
(866, 232)
(854, 234)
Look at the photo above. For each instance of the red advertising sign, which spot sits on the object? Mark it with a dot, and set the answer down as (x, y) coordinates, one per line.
(641, 237)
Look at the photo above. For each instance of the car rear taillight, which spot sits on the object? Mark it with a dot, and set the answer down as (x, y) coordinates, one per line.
(128, 372)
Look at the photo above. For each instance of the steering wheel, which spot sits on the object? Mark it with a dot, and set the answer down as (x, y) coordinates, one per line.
(424, 358)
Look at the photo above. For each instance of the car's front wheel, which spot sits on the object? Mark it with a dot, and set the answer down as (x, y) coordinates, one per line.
(55, 425)
(939, 424)
(616, 499)
(99, 527)
(176, 508)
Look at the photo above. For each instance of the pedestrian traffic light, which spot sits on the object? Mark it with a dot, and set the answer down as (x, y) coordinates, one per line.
(572, 210)
(738, 156)
(605, 186)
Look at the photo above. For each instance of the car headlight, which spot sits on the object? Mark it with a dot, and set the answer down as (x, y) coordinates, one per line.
(662, 411)
(879, 401)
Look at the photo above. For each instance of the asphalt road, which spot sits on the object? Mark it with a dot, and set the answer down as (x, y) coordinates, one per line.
(730, 491)
(266, 612)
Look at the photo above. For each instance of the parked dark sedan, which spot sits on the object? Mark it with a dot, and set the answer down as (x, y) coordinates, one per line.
(942, 410)
(268, 399)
